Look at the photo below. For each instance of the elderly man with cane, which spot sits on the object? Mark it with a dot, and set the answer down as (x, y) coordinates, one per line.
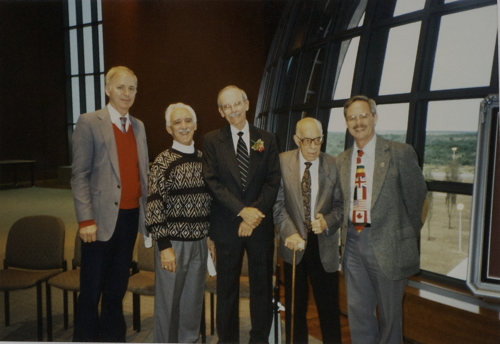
(308, 213)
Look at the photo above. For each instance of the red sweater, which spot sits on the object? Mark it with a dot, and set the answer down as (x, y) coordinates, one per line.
(128, 161)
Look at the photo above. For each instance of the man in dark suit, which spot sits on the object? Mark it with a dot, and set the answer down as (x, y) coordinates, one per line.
(308, 214)
(241, 169)
(384, 195)
(109, 182)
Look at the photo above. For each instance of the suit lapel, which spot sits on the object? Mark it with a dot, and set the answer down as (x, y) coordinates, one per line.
(292, 174)
(382, 160)
(255, 156)
(109, 138)
(345, 174)
(140, 146)
(324, 184)
(228, 151)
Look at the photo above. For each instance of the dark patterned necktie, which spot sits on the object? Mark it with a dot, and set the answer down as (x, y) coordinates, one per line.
(306, 195)
(124, 124)
(360, 206)
(243, 159)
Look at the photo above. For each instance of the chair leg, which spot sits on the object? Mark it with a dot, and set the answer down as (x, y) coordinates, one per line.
(212, 314)
(6, 307)
(48, 302)
(136, 312)
(39, 315)
(65, 306)
(203, 325)
(75, 305)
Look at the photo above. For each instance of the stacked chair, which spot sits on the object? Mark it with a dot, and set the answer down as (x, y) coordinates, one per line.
(67, 281)
(142, 281)
(34, 253)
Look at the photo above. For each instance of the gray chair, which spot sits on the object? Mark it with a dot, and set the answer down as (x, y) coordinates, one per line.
(142, 281)
(68, 281)
(34, 253)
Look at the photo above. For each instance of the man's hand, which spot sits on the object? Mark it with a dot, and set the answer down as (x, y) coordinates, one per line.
(88, 233)
(252, 216)
(245, 230)
(211, 248)
(319, 225)
(168, 259)
(295, 242)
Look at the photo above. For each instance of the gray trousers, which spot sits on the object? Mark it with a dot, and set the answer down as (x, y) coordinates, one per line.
(368, 288)
(179, 296)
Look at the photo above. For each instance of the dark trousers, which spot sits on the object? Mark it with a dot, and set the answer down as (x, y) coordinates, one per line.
(260, 269)
(325, 291)
(104, 276)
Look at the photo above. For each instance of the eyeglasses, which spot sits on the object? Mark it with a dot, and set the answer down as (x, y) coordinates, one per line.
(361, 116)
(306, 141)
(229, 107)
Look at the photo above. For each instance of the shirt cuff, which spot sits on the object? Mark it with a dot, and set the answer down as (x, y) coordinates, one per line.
(86, 223)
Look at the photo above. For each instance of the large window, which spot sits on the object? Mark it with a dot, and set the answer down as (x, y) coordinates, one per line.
(427, 63)
(84, 59)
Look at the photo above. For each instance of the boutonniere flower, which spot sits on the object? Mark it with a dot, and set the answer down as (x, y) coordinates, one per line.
(258, 145)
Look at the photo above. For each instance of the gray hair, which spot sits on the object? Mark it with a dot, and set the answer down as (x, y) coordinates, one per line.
(371, 103)
(318, 123)
(243, 94)
(172, 107)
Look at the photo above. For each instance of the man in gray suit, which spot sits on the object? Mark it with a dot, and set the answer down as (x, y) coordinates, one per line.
(384, 194)
(308, 215)
(109, 182)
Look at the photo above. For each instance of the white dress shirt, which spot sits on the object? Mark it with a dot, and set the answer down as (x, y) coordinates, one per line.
(115, 117)
(245, 136)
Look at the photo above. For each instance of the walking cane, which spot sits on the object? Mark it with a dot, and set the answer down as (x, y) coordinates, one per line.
(293, 296)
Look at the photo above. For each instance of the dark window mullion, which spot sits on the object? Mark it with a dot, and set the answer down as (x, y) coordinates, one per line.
(81, 56)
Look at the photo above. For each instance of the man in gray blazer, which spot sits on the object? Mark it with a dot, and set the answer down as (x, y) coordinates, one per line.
(109, 182)
(384, 194)
(312, 229)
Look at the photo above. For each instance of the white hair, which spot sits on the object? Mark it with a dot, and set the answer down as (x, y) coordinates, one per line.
(172, 107)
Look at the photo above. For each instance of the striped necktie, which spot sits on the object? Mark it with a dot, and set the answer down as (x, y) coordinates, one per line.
(360, 206)
(243, 159)
(124, 124)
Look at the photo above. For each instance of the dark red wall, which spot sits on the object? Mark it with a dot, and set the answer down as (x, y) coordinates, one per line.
(186, 51)
(32, 86)
(182, 51)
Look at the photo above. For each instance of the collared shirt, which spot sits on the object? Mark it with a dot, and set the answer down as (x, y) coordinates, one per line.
(314, 171)
(246, 137)
(369, 163)
(183, 148)
(115, 117)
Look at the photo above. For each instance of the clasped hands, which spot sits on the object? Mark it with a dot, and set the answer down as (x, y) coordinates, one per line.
(252, 217)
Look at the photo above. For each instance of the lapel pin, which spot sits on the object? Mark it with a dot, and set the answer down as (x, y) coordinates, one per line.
(382, 164)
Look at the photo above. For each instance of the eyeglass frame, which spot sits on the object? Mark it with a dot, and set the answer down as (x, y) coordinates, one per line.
(311, 140)
(361, 117)
(230, 107)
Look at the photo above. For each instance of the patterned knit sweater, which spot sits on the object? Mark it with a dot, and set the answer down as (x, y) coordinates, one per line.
(178, 206)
